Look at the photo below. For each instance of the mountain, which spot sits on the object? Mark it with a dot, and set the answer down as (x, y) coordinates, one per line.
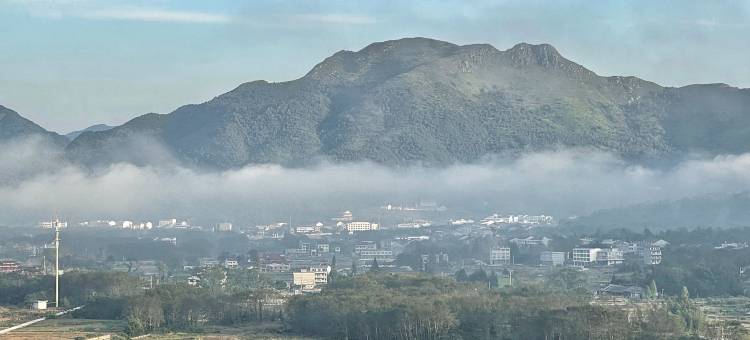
(94, 128)
(13, 126)
(433, 102)
(715, 210)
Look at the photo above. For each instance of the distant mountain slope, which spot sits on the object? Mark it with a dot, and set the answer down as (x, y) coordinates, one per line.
(716, 210)
(13, 126)
(433, 102)
(94, 128)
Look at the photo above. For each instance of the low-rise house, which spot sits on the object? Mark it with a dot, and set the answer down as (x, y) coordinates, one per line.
(276, 267)
(9, 266)
(231, 264)
(193, 281)
(630, 292)
(530, 241)
(209, 262)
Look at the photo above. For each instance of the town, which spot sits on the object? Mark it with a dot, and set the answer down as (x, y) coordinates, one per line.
(287, 259)
(300, 258)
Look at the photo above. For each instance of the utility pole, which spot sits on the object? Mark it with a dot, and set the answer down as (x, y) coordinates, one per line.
(57, 263)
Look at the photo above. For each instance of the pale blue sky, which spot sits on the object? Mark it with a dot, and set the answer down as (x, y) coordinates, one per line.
(67, 64)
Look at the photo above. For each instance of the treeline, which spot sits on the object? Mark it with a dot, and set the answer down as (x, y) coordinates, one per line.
(225, 297)
(424, 307)
(184, 308)
(76, 288)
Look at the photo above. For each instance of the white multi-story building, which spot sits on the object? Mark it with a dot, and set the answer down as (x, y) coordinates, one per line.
(585, 257)
(373, 254)
(365, 245)
(312, 276)
(307, 229)
(500, 255)
(53, 224)
(652, 255)
(305, 279)
(169, 223)
(321, 274)
(552, 258)
(610, 257)
(361, 226)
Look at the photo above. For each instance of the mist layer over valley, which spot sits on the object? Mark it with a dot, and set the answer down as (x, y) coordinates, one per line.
(38, 182)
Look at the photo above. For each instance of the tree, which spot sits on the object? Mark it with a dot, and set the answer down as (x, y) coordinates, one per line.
(374, 267)
(652, 290)
(493, 280)
(685, 296)
(478, 276)
(461, 276)
(214, 279)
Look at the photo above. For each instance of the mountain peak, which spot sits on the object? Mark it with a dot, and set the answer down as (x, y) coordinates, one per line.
(547, 57)
(379, 60)
(528, 54)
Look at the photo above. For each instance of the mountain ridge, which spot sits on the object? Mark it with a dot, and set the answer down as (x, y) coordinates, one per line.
(13, 126)
(420, 100)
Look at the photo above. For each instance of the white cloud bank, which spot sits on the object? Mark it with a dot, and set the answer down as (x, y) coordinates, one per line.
(35, 183)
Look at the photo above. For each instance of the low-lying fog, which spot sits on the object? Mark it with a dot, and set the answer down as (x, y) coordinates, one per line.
(36, 183)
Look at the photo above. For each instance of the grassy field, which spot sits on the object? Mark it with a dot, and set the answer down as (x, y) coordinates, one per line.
(64, 328)
(67, 329)
(10, 316)
(726, 309)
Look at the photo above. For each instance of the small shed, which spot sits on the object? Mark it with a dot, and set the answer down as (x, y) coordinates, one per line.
(39, 305)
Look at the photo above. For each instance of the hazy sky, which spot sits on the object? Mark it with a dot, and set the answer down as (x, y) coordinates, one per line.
(67, 64)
